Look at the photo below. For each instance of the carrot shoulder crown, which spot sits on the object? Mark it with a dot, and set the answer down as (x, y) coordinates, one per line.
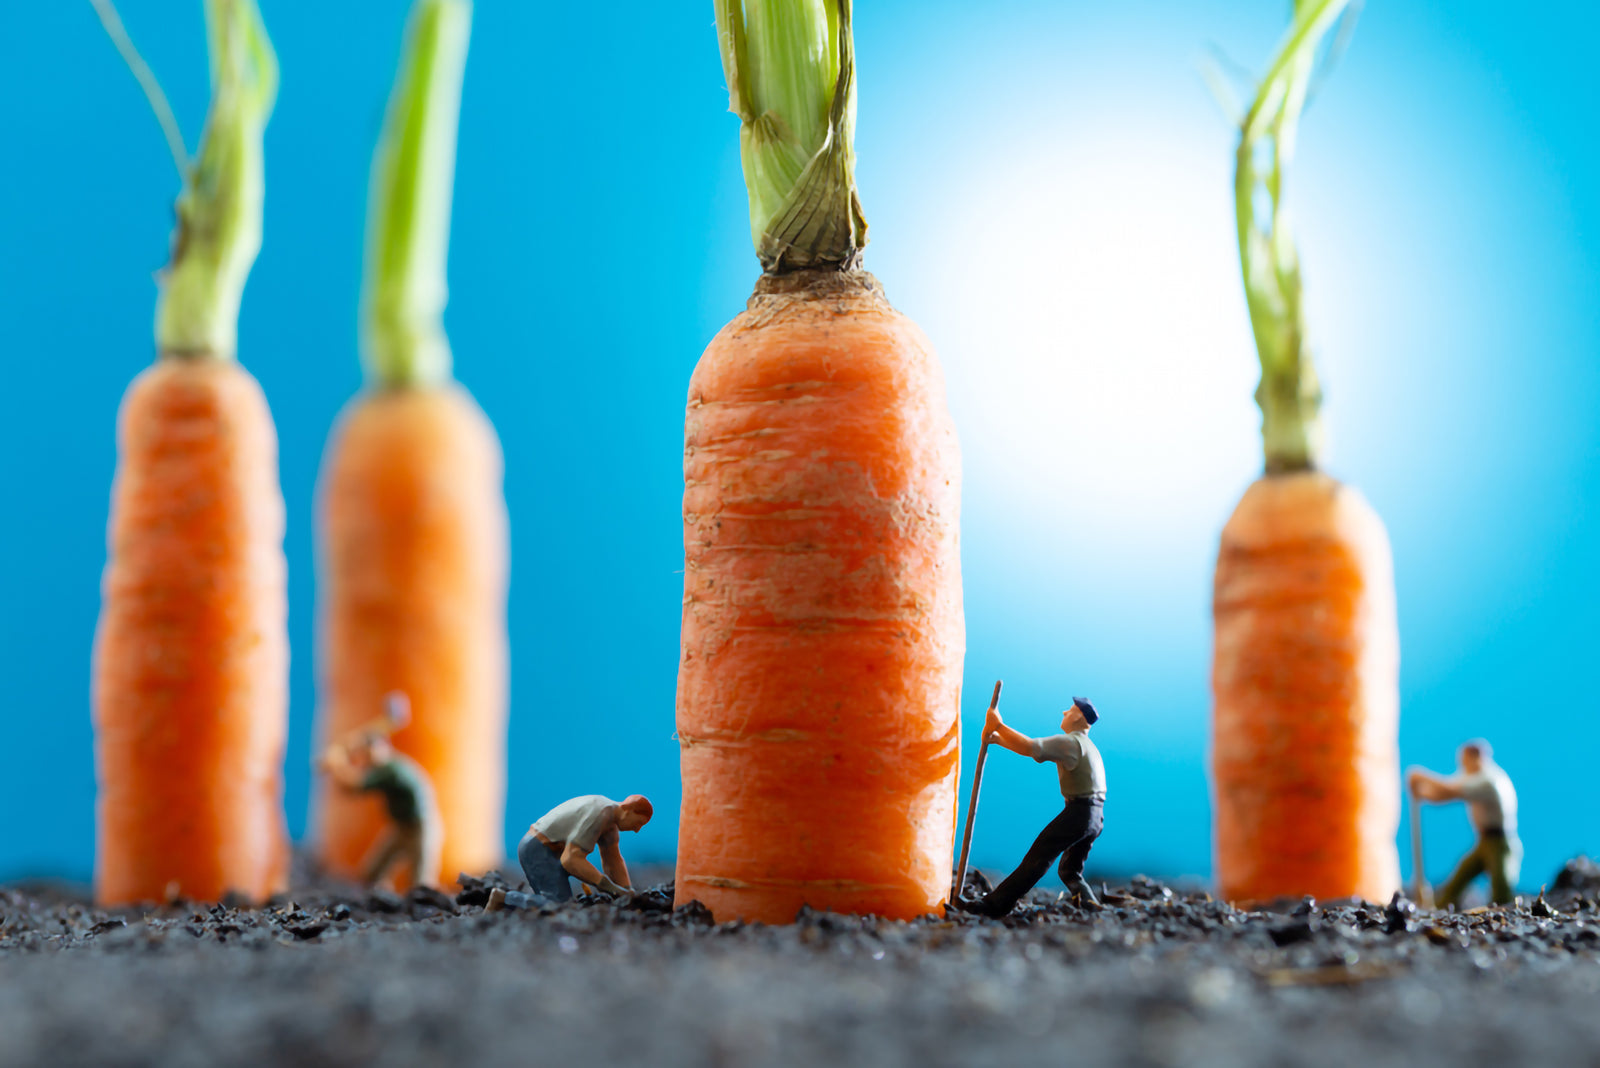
(1289, 394)
(219, 210)
(790, 66)
(408, 209)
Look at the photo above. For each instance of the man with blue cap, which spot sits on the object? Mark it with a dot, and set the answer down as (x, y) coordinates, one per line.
(1071, 834)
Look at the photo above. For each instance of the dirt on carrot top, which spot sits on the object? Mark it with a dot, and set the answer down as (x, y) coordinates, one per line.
(334, 975)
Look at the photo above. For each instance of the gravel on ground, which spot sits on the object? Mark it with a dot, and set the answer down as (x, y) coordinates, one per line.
(336, 976)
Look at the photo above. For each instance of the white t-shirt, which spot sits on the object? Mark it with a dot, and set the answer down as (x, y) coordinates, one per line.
(1077, 762)
(577, 822)
(1490, 799)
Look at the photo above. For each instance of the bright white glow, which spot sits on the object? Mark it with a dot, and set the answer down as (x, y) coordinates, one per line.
(1094, 332)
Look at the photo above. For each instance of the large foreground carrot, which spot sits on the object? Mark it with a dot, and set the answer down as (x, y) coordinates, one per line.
(1306, 665)
(413, 533)
(819, 683)
(191, 655)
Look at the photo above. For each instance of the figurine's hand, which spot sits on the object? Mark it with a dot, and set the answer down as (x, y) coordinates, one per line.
(992, 722)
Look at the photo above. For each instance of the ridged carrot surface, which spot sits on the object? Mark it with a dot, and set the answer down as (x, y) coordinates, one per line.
(823, 634)
(191, 657)
(1305, 675)
(413, 572)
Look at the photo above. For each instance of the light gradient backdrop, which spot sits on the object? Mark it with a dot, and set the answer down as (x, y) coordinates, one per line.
(1049, 190)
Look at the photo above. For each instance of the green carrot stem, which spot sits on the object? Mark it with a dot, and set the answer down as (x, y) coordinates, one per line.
(790, 66)
(1289, 395)
(219, 211)
(408, 211)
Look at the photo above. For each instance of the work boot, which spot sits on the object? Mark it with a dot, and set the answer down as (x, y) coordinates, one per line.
(972, 905)
(1079, 891)
(497, 900)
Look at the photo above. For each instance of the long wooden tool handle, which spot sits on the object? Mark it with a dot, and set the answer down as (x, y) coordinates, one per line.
(1421, 892)
(972, 804)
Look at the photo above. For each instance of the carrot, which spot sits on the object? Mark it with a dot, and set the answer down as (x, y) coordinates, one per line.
(191, 653)
(1306, 664)
(413, 528)
(819, 683)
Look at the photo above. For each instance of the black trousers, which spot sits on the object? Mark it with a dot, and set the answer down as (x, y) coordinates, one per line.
(1069, 836)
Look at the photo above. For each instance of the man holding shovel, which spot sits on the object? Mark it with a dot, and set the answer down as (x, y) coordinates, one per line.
(1071, 834)
(1492, 803)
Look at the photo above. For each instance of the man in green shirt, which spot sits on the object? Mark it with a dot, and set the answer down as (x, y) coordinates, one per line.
(369, 763)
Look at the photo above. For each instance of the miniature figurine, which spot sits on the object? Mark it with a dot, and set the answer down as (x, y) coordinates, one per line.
(1071, 834)
(558, 844)
(367, 762)
(1492, 806)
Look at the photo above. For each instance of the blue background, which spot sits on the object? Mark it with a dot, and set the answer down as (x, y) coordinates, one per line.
(1049, 190)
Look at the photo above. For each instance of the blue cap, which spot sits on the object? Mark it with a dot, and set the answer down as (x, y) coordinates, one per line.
(1084, 705)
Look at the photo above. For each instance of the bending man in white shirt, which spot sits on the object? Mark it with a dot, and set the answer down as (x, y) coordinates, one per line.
(558, 845)
(1492, 804)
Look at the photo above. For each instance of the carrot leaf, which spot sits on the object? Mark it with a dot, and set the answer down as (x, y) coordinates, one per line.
(219, 211)
(112, 21)
(1290, 395)
(790, 66)
(408, 206)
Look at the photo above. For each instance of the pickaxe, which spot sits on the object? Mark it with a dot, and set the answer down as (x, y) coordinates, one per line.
(396, 716)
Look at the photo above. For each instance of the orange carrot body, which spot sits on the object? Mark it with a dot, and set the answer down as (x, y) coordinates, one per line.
(191, 657)
(1306, 677)
(413, 581)
(823, 636)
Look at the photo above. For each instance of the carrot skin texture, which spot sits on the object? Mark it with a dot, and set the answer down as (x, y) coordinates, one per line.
(1306, 683)
(191, 654)
(413, 568)
(823, 636)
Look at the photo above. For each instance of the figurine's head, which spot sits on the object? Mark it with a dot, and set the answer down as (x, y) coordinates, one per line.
(634, 812)
(1472, 755)
(397, 709)
(1080, 717)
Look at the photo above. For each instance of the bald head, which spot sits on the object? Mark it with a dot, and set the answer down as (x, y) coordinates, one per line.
(634, 812)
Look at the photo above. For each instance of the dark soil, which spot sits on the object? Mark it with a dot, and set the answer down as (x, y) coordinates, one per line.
(338, 976)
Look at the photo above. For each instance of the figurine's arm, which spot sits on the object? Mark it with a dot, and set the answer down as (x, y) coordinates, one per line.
(337, 765)
(578, 865)
(1426, 786)
(995, 729)
(611, 858)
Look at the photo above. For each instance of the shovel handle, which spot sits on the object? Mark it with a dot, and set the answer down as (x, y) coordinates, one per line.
(1421, 892)
(972, 804)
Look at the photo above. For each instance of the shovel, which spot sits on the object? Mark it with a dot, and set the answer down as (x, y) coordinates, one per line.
(972, 805)
(1421, 892)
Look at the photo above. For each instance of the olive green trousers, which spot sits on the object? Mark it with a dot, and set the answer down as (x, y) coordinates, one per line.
(1493, 854)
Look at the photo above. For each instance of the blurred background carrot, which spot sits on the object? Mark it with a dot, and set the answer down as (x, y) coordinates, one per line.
(820, 679)
(1307, 649)
(412, 522)
(191, 654)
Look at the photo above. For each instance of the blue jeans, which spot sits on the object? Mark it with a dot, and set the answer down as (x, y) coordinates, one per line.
(546, 877)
